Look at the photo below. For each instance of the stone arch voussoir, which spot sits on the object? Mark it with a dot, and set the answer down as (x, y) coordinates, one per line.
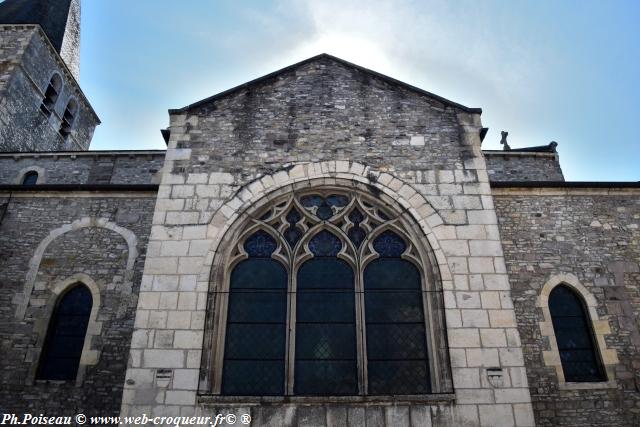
(340, 172)
(22, 300)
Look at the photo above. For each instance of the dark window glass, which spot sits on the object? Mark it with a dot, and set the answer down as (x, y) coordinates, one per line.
(324, 207)
(260, 245)
(325, 324)
(255, 342)
(356, 233)
(51, 94)
(68, 118)
(293, 233)
(65, 337)
(574, 337)
(389, 244)
(30, 178)
(397, 361)
(325, 244)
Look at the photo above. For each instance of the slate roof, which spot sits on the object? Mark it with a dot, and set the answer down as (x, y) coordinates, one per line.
(331, 58)
(51, 15)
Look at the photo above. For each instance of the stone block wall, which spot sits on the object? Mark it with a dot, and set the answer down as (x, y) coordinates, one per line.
(49, 241)
(523, 166)
(589, 239)
(325, 123)
(28, 64)
(91, 167)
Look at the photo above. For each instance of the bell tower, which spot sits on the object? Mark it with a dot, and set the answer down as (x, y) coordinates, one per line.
(42, 107)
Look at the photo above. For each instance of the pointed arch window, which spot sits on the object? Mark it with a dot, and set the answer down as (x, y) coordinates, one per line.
(396, 333)
(576, 344)
(51, 94)
(328, 295)
(325, 352)
(255, 342)
(66, 335)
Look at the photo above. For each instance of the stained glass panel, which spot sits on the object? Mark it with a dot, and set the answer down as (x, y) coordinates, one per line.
(255, 341)
(325, 244)
(391, 274)
(356, 233)
(397, 357)
(257, 273)
(292, 235)
(325, 329)
(324, 207)
(389, 244)
(253, 378)
(325, 274)
(260, 245)
(398, 377)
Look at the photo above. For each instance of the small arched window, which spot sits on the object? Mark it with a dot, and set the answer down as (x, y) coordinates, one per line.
(68, 118)
(572, 328)
(51, 94)
(66, 334)
(30, 178)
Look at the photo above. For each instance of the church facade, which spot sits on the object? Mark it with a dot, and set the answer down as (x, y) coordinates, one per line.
(322, 246)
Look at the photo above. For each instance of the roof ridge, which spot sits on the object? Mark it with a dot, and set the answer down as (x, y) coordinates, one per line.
(315, 58)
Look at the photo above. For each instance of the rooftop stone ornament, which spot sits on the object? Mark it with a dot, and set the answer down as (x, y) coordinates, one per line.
(503, 141)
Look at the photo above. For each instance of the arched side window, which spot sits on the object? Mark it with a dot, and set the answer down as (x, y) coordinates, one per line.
(51, 94)
(396, 336)
(68, 118)
(340, 302)
(574, 337)
(66, 335)
(255, 343)
(30, 178)
(325, 352)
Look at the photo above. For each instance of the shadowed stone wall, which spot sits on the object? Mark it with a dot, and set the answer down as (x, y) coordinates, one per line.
(47, 242)
(91, 167)
(593, 237)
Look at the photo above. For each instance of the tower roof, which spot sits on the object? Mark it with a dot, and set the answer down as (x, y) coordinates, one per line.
(51, 15)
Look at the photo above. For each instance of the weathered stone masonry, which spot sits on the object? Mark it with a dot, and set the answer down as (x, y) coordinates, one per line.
(592, 235)
(327, 123)
(25, 72)
(522, 166)
(51, 240)
(154, 256)
(84, 167)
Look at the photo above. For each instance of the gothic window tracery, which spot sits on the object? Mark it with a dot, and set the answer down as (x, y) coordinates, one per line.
(335, 293)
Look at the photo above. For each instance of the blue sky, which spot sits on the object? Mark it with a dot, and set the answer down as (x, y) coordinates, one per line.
(543, 70)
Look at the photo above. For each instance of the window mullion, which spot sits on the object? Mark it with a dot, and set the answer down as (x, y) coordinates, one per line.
(291, 330)
(361, 332)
